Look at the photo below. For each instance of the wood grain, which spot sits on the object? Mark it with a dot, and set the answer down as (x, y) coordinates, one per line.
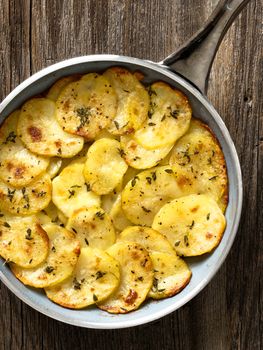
(226, 315)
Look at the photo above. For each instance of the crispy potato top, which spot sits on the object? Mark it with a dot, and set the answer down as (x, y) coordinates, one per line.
(106, 183)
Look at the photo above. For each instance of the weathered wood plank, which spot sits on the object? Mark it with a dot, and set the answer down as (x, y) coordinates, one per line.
(37, 33)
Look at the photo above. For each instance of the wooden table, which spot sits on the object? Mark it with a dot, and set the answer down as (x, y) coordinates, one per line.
(37, 33)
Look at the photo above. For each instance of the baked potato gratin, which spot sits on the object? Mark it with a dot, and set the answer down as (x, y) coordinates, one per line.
(105, 186)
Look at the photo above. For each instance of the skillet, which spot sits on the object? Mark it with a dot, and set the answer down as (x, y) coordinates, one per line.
(187, 70)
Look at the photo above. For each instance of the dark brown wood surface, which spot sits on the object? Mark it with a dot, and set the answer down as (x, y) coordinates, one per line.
(36, 33)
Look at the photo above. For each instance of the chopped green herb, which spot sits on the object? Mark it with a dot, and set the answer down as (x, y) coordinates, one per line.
(121, 152)
(76, 284)
(99, 274)
(116, 124)
(151, 91)
(86, 241)
(177, 243)
(95, 298)
(145, 209)
(75, 186)
(71, 193)
(88, 187)
(6, 224)
(192, 225)
(49, 269)
(213, 177)
(41, 194)
(83, 113)
(10, 138)
(133, 182)
(100, 215)
(154, 177)
(10, 194)
(151, 124)
(208, 216)
(149, 180)
(174, 114)
(169, 171)
(28, 234)
(186, 241)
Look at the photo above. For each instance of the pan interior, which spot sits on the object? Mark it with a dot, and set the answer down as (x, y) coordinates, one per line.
(203, 268)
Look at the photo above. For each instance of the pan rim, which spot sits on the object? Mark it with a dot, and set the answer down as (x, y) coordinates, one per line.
(204, 101)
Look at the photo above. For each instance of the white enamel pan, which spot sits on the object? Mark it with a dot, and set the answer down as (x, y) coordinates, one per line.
(188, 70)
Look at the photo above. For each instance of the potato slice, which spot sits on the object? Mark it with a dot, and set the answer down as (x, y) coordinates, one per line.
(199, 165)
(147, 192)
(136, 278)
(171, 275)
(18, 166)
(105, 166)
(23, 241)
(150, 239)
(194, 224)
(133, 101)
(96, 276)
(120, 222)
(57, 88)
(54, 166)
(70, 192)
(64, 250)
(87, 106)
(169, 117)
(39, 130)
(26, 200)
(139, 157)
(92, 227)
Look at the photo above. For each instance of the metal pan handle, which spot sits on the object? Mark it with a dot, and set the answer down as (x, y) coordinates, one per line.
(194, 59)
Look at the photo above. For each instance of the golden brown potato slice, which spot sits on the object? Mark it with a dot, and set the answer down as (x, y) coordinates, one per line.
(194, 224)
(147, 192)
(22, 240)
(18, 166)
(87, 106)
(105, 166)
(120, 222)
(168, 120)
(40, 132)
(70, 191)
(133, 101)
(199, 165)
(93, 227)
(171, 275)
(54, 166)
(64, 250)
(147, 237)
(139, 157)
(26, 200)
(57, 88)
(94, 278)
(135, 281)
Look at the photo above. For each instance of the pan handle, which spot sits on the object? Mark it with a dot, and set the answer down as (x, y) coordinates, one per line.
(194, 59)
